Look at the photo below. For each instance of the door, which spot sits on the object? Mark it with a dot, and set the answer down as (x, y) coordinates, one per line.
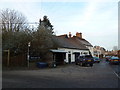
(76, 56)
(69, 58)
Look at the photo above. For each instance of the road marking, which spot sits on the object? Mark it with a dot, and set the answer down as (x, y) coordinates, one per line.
(116, 74)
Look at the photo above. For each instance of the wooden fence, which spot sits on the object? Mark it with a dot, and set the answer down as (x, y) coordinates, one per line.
(19, 60)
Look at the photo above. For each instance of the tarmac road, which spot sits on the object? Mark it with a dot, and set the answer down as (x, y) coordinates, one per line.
(101, 75)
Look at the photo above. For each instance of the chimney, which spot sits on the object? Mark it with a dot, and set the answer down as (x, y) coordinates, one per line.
(79, 35)
(70, 34)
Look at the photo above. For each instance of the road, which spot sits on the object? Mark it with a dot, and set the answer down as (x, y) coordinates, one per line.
(116, 70)
(101, 75)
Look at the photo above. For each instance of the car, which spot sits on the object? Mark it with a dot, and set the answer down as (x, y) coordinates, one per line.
(96, 59)
(114, 60)
(85, 60)
(107, 58)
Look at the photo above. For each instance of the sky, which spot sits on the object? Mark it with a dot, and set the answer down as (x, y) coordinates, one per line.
(97, 20)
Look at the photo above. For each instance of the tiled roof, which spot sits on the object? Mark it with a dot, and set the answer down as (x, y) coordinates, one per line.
(83, 41)
(74, 43)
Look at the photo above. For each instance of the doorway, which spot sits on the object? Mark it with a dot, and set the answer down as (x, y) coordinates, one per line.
(69, 58)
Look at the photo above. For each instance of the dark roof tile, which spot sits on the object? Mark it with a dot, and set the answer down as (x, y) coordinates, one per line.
(73, 43)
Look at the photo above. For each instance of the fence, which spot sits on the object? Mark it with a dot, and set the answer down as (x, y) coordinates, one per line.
(19, 60)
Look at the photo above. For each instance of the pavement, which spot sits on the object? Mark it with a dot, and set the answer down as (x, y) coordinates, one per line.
(101, 75)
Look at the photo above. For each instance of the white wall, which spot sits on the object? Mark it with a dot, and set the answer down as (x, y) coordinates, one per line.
(71, 51)
(91, 50)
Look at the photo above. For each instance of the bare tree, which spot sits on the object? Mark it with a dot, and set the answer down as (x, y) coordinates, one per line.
(12, 20)
(15, 31)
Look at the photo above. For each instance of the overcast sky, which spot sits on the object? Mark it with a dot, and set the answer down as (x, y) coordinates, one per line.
(97, 20)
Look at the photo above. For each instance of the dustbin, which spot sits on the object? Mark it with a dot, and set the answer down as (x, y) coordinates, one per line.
(41, 64)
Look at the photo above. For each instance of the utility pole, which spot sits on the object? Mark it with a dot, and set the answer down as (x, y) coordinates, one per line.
(8, 59)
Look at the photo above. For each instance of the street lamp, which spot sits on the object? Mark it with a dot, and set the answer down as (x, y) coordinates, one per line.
(28, 55)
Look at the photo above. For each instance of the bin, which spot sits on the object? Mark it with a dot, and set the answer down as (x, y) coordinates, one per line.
(41, 64)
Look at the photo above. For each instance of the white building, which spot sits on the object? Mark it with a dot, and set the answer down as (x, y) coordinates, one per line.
(69, 48)
(99, 51)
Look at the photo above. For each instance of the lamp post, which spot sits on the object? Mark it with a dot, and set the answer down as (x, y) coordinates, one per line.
(28, 55)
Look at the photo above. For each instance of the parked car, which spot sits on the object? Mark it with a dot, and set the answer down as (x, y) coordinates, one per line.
(114, 60)
(85, 60)
(96, 59)
(107, 58)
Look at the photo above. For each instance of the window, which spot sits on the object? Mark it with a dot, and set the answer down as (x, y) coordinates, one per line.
(85, 53)
(69, 51)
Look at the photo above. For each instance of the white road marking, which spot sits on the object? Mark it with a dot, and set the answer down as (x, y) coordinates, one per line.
(116, 74)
